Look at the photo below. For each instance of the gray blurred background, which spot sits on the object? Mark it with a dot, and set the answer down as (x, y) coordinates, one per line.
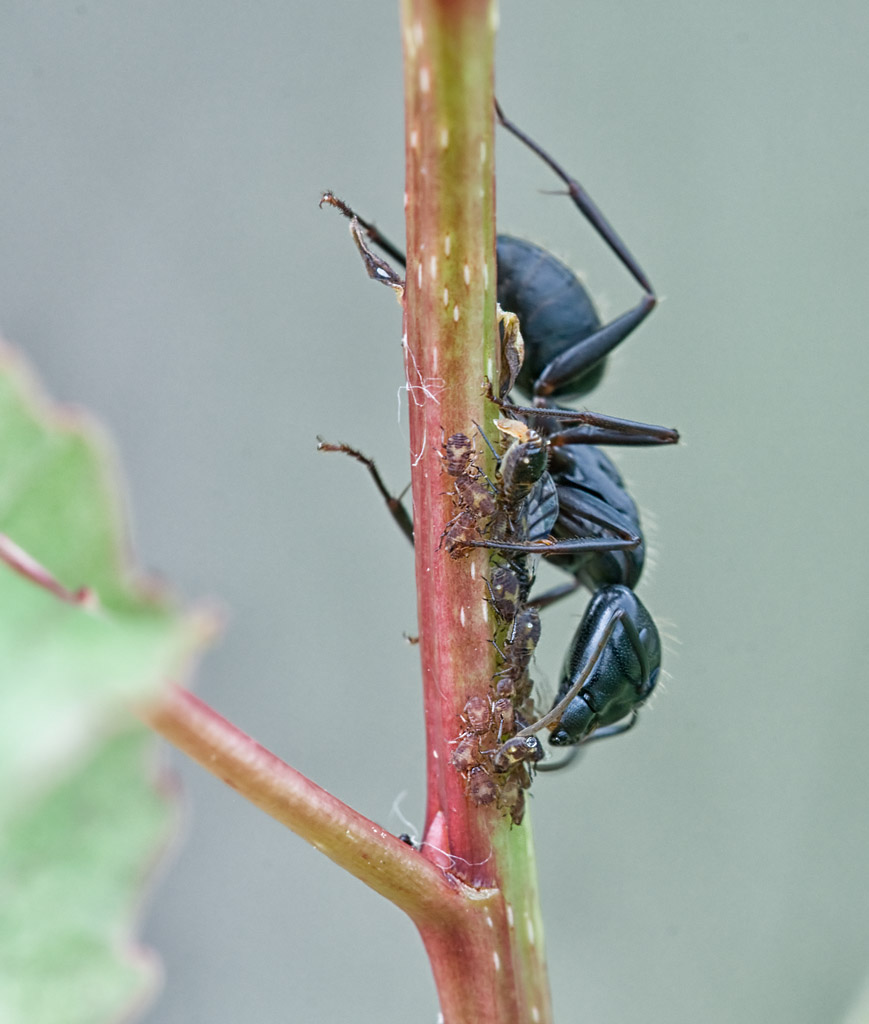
(164, 263)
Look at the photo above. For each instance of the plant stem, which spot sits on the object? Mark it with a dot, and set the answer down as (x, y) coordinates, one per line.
(449, 349)
(357, 844)
(492, 968)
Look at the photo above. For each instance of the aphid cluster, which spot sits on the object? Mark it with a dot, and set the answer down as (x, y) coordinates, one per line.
(494, 764)
(555, 494)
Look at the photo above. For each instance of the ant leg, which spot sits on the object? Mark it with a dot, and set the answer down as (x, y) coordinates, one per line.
(396, 509)
(598, 734)
(576, 511)
(613, 730)
(553, 546)
(575, 361)
(577, 508)
(590, 350)
(549, 597)
(585, 204)
(553, 717)
(380, 240)
(593, 427)
(548, 766)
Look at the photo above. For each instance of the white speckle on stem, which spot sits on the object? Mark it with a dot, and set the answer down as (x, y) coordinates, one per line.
(433, 266)
(419, 274)
(485, 605)
(473, 570)
(414, 139)
(510, 914)
(496, 960)
(535, 1014)
(456, 313)
(418, 34)
(445, 138)
(424, 79)
(462, 615)
(529, 928)
(467, 274)
(448, 243)
(483, 151)
(485, 274)
(446, 296)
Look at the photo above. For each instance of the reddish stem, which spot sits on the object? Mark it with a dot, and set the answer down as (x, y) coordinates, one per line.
(491, 969)
(347, 837)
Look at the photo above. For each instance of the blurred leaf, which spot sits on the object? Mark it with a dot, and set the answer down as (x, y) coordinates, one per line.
(859, 1011)
(71, 868)
(79, 821)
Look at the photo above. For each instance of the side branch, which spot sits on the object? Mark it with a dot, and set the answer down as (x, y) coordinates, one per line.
(376, 857)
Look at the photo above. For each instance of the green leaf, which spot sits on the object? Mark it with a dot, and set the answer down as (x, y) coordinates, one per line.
(81, 642)
(71, 866)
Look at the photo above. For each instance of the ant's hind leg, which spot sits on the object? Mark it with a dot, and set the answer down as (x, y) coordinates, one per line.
(575, 361)
(584, 203)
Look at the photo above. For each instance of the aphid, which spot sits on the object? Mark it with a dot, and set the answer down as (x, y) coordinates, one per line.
(505, 592)
(482, 788)
(521, 642)
(466, 754)
(477, 714)
(458, 453)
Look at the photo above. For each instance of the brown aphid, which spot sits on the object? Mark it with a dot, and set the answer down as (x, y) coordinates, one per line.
(507, 687)
(523, 638)
(458, 532)
(517, 808)
(475, 495)
(514, 683)
(458, 454)
(466, 756)
(511, 793)
(478, 714)
(481, 787)
(505, 592)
